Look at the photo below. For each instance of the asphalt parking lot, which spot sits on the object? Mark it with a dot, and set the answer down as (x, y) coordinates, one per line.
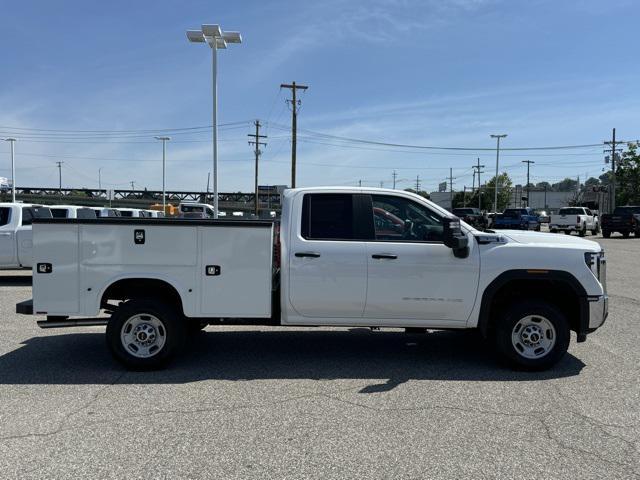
(322, 403)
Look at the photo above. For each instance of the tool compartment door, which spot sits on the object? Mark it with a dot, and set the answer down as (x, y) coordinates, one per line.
(236, 271)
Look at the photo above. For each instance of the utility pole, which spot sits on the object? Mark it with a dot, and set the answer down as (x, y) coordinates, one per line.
(208, 178)
(417, 184)
(477, 168)
(395, 176)
(100, 178)
(359, 183)
(164, 141)
(133, 184)
(612, 183)
(256, 143)
(528, 162)
(451, 186)
(294, 124)
(495, 189)
(60, 176)
(381, 184)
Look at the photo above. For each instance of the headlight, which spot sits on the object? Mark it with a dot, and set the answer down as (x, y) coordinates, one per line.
(597, 264)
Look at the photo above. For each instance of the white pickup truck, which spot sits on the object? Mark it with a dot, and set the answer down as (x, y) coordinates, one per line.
(340, 257)
(575, 219)
(15, 233)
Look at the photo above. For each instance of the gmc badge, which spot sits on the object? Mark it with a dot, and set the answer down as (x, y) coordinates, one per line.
(138, 237)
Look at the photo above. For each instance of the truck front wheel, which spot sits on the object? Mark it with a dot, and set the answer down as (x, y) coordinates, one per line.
(532, 335)
(145, 334)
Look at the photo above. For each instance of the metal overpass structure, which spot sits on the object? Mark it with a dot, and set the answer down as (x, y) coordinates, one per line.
(236, 201)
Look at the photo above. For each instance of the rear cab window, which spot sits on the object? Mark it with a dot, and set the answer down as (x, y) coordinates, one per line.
(327, 216)
(5, 216)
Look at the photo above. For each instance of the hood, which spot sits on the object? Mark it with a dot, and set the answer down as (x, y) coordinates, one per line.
(551, 239)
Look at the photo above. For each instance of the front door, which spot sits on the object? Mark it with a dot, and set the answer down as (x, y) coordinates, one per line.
(412, 275)
(327, 260)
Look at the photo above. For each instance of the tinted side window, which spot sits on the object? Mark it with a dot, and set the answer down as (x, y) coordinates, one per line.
(27, 216)
(400, 219)
(125, 213)
(86, 213)
(5, 215)
(59, 213)
(327, 216)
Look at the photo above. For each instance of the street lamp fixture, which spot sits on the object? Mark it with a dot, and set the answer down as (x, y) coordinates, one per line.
(216, 38)
(164, 141)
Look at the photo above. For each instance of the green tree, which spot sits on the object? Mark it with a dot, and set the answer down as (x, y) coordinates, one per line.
(543, 185)
(504, 193)
(566, 185)
(628, 177)
(592, 182)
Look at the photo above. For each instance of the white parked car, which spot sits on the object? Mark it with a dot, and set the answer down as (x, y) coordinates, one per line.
(105, 212)
(133, 213)
(16, 247)
(341, 257)
(72, 211)
(574, 219)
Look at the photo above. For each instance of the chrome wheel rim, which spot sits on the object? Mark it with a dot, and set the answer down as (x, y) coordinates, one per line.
(143, 335)
(533, 336)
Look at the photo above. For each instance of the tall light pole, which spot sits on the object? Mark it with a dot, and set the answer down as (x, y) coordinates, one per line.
(100, 178)
(216, 38)
(12, 141)
(164, 141)
(495, 190)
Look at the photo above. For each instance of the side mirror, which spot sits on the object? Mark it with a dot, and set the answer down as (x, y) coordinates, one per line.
(455, 238)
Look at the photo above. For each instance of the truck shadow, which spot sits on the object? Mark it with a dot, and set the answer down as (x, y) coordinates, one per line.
(387, 358)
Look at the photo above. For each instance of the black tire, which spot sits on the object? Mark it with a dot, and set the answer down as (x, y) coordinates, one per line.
(538, 228)
(553, 230)
(512, 316)
(583, 230)
(596, 230)
(625, 234)
(606, 233)
(171, 328)
(567, 232)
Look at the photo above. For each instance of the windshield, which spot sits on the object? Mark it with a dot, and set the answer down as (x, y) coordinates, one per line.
(514, 212)
(571, 211)
(59, 212)
(626, 210)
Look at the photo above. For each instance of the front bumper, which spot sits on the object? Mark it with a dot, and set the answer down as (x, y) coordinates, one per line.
(598, 311)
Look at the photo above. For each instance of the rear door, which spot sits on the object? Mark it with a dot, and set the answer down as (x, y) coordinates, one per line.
(327, 259)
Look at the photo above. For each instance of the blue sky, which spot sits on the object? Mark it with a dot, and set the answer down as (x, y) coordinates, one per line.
(444, 73)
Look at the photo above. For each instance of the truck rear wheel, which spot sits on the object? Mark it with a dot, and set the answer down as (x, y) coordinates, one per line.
(532, 335)
(583, 230)
(606, 233)
(145, 334)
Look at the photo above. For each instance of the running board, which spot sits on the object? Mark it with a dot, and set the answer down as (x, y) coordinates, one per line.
(73, 322)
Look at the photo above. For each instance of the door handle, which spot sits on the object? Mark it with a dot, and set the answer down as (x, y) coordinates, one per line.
(307, 254)
(5, 234)
(388, 256)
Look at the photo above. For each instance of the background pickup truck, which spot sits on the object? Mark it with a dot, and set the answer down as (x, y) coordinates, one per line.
(623, 220)
(473, 216)
(15, 233)
(517, 219)
(574, 219)
(340, 257)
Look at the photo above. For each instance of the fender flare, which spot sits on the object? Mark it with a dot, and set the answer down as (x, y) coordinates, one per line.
(504, 278)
